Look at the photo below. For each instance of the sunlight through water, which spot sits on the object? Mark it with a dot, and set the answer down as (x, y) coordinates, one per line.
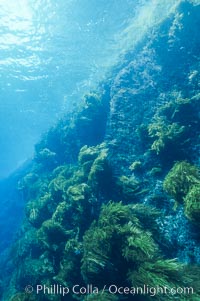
(51, 52)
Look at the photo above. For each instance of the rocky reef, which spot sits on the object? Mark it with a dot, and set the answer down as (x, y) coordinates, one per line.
(112, 194)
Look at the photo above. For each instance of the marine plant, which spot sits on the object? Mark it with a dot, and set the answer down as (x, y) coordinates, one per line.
(183, 183)
(62, 214)
(91, 121)
(61, 180)
(79, 192)
(33, 185)
(174, 125)
(180, 179)
(181, 110)
(127, 188)
(98, 240)
(100, 175)
(81, 203)
(86, 157)
(38, 211)
(164, 277)
(155, 171)
(23, 297)
(51, 234)
(96, 169)
(72, 242)
(92, 102)
(21, 248)
(135, 166)
(147, 216)
(119, 248)
(70, 263)
(192, 204)
(164, 134)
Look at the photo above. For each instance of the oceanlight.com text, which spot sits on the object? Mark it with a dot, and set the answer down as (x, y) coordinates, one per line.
(112, 289)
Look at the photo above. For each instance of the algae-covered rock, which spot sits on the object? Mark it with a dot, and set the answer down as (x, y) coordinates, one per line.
(21, 248)
(95, 166)
(24, 297)
(127, 188)
(76, 242)
(87, 156)
(51, 234)
(100, 175)
(32, 185)
(81, 202)
(183, 183)
(34, 270)
(192, 204)
(116, 239)
(181, 110)
(40, 210)
(164, 277)
(61, 180)
(46, 159)
(165, 134)
(135, 166)
(180, 179)
(174, 126)
(119, 248)
(70, 263)
(91, 123)
(62, 214)
(78, 192)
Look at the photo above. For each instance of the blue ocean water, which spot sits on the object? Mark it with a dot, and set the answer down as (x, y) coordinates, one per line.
(50, 52)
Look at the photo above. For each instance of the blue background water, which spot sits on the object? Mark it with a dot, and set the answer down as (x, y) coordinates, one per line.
(50, 53)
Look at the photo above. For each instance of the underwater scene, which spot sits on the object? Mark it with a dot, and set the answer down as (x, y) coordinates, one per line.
(100, 150)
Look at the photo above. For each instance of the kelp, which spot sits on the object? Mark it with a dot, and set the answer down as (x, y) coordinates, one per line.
(180, 179)
(174, 124)
(192, 204)
(164, 134)
(118, 247)
(183, 183)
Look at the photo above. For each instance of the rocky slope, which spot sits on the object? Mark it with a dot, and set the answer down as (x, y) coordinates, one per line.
(106, 199)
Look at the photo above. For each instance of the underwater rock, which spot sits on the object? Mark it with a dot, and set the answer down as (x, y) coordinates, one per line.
(180, 179)
(192, 204)
(121, 143)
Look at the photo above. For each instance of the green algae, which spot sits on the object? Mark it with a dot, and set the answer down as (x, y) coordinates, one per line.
(23, 297)
(118, 238)
(192, 204)
(128, 188)
(174, 124)
(180, 179)
(164, 134)
(183, 183)
(51, 234)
